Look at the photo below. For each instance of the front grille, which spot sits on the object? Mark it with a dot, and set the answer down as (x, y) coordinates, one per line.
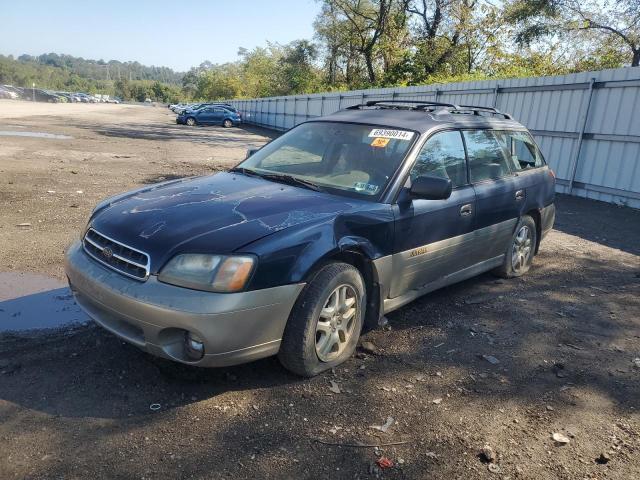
(126, 260)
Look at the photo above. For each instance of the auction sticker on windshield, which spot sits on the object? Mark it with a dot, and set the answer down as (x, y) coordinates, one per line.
(393, 134)
(380, 142)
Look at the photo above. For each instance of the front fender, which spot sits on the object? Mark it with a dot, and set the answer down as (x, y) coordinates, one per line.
(289, 255)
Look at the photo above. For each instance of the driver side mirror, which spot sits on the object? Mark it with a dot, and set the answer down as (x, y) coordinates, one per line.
(431, 188)
(250, 152)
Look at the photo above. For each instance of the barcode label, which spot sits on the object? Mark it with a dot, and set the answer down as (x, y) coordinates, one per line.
(393, 134)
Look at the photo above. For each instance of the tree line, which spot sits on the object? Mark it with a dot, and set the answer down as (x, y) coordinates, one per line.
(376, 43)
(380, 43)
(128, 80)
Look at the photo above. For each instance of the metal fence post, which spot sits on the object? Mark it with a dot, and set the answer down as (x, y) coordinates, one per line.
(496, 91)
(295, 106)
(306, 109)
(576, 155)
(339, 101)
(437, 94)
(322, 105)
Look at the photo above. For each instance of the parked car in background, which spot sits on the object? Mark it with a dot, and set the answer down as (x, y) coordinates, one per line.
(43, 95)
(189, 106)
(8, 93)
(199, 106)
(337, 222)
(68, 98)
(210, 115)
(17, 91)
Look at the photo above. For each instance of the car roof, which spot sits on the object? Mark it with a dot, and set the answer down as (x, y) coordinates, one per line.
(422, 121)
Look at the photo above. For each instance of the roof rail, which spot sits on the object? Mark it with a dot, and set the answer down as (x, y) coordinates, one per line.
(373, 103)
(477, 109)
(424, 105)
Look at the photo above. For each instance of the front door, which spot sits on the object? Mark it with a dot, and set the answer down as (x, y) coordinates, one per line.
(433, 237)
(205, 115)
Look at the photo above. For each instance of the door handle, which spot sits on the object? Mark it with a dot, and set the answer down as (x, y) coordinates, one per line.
(466, 210)
(519, 194)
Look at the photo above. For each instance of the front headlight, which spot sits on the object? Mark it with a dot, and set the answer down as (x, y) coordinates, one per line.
(213, 273)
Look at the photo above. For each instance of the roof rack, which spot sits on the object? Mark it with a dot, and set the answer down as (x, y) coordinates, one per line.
(419, 103)
(424, 105)
(476, 109)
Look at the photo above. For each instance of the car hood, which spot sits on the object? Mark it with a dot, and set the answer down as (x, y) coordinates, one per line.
(214, 214)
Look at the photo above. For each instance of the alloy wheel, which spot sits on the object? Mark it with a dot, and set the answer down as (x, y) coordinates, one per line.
(521, 249)
(336, 323)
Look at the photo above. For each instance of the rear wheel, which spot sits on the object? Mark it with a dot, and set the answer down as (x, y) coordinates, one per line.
(191, 121)
(227, 123)
(325, 324)
(519, 255)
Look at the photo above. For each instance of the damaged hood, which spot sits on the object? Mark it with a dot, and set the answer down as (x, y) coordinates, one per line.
(214, 214)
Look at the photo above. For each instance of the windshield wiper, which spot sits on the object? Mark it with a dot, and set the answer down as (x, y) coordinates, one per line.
(291, 180)
(278, 177)
(245, 171)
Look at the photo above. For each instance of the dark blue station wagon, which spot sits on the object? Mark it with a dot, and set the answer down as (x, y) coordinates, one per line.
(316, 235)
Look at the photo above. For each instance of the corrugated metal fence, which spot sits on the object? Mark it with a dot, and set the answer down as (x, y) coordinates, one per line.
(587, 124)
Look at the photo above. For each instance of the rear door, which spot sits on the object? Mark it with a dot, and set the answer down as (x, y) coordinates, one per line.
(218, 115)
(433, 236)
(499, 194)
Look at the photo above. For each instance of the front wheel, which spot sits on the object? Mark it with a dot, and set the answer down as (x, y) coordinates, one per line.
(227, 123)
(326, 321)
(519, 255)
(191, 121)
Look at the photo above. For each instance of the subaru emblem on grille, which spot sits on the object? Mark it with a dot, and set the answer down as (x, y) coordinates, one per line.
(118, 256)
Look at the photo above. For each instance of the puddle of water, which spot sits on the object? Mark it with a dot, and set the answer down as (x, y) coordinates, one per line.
(10, 133)
(29, 302)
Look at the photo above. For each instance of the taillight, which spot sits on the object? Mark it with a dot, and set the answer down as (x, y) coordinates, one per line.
(552, 174)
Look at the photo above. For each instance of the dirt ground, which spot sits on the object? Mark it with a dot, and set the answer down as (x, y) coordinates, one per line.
(486, 362)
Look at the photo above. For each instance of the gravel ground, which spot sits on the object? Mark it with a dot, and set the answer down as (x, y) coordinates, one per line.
(488, 362)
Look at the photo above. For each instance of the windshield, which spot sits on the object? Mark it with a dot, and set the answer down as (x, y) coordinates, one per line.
(349, 159)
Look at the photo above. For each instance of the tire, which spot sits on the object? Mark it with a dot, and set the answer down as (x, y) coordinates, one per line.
(311, 329)
(521, 250)
(227, 123)
(191, 122)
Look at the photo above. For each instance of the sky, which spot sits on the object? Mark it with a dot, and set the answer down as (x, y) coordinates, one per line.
(178, 34)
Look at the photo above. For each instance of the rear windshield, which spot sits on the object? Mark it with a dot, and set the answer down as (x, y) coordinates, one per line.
(349, 159)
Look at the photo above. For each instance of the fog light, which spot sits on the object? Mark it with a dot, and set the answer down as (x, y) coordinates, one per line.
(193, 347)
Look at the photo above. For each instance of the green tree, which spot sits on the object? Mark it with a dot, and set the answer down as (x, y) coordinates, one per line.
(606, 24)
(296, 68)
(219, 82)
(369, 20)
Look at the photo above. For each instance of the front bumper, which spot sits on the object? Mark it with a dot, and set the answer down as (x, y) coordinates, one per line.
(234, 327)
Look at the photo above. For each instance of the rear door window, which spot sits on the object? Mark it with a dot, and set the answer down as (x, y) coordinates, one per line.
(520, 149)
(487, 157)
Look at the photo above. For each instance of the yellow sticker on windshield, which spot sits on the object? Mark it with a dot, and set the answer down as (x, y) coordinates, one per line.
(380, 142)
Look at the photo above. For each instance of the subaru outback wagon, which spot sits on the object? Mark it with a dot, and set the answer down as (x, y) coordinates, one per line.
(316, 235)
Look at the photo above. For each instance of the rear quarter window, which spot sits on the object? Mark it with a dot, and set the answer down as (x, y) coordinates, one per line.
(520, 149)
